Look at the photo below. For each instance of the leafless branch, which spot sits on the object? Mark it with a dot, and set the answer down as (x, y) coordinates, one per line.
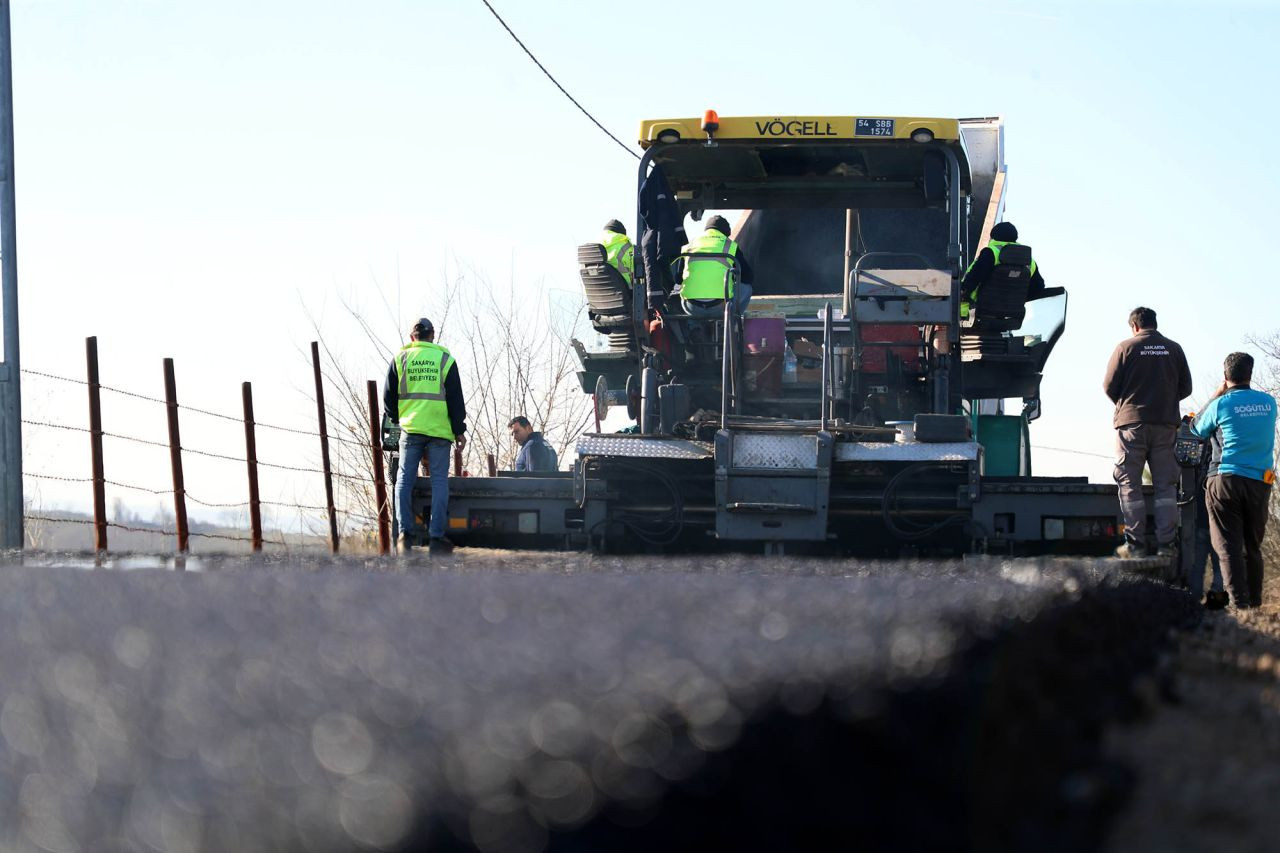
(513, 357)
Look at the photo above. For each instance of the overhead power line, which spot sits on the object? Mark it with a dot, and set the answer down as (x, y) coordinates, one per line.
(541, 67)
(1074, 452)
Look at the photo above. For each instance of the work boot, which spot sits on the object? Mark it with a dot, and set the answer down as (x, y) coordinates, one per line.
(1165, 552)
(405, 543)
(440, 545)
(1215, 600)
(1130, 551)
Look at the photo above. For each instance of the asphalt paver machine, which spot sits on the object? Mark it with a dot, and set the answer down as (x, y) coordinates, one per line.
(857, 406)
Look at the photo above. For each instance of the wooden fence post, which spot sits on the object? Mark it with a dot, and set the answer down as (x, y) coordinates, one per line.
(175, 458)
(379, 474)
(324, 449)
(95, 447)
(251, 459)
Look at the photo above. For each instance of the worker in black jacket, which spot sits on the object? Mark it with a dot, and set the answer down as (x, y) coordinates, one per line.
(663, 230)
(1146, 377)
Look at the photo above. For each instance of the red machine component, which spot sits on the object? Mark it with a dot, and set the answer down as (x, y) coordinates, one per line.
(874, 357)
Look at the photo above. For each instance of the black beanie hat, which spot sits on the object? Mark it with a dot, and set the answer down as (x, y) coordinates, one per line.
(616, 227)
(720, 224)
(1004, 232)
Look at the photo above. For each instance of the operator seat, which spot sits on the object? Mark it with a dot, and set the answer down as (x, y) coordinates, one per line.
(1001, 302)
(999, 308)
(608, 297)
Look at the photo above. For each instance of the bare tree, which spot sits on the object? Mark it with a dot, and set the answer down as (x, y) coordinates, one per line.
(516, 363)
(120, 512)
(164, 517)
(514, 358)
(34, 525)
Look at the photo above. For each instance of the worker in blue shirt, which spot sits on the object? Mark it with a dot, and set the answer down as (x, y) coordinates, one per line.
(1241, 425)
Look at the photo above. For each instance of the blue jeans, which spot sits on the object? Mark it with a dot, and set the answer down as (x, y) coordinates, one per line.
(715, 310)
(412, 449)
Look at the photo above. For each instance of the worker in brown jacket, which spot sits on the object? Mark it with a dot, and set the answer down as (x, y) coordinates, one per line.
(1146, 378)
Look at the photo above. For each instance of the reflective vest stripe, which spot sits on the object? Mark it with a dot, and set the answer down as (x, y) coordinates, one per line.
(423, 407)
(619, 254)
(995, 246)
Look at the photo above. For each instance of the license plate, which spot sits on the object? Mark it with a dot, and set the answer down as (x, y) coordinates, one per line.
(873, 127)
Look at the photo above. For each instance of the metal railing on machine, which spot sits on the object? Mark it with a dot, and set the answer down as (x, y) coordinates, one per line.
(182, 530)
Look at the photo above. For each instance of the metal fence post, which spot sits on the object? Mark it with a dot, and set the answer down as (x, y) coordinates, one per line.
(493, 464)
(457, 461)
(175, 458)
(379, 475)
(251, 459)
(324, 449)
(95, 446)
(11, 498)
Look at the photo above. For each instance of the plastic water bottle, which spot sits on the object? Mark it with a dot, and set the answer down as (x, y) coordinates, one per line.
(788, 366)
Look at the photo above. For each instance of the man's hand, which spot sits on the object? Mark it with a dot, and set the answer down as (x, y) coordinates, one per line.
(461, 441)
(1222, 389)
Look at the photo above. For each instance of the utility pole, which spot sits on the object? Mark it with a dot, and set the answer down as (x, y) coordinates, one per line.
(10, 375)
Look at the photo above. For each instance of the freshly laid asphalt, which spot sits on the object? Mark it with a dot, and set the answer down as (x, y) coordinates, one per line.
(523, 702)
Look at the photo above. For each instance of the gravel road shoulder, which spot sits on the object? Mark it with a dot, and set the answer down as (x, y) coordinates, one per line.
(1208, 757)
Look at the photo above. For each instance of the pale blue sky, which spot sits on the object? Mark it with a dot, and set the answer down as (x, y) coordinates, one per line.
(190, 173)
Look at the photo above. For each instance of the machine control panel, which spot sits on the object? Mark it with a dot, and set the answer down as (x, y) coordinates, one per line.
(1189, 448)
(390, 435)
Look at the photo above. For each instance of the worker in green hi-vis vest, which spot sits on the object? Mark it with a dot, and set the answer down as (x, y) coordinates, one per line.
(711, 268)
(979, 272)
(425, 393)
(619, 252)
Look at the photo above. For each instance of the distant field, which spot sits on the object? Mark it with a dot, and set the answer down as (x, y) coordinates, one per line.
(74, 532)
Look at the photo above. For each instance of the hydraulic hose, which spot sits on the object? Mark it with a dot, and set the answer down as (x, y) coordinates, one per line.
(661, 528)
(904, 528)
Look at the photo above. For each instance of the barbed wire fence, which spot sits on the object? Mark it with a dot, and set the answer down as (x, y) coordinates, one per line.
(357, 512)
(356, 509)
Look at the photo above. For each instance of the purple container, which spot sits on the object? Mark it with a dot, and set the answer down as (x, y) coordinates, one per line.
(765, 334)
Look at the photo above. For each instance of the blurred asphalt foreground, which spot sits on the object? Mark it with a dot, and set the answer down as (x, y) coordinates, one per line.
(507, 701)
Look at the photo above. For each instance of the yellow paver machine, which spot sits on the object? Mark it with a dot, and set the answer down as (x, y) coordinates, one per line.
(860, 402)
